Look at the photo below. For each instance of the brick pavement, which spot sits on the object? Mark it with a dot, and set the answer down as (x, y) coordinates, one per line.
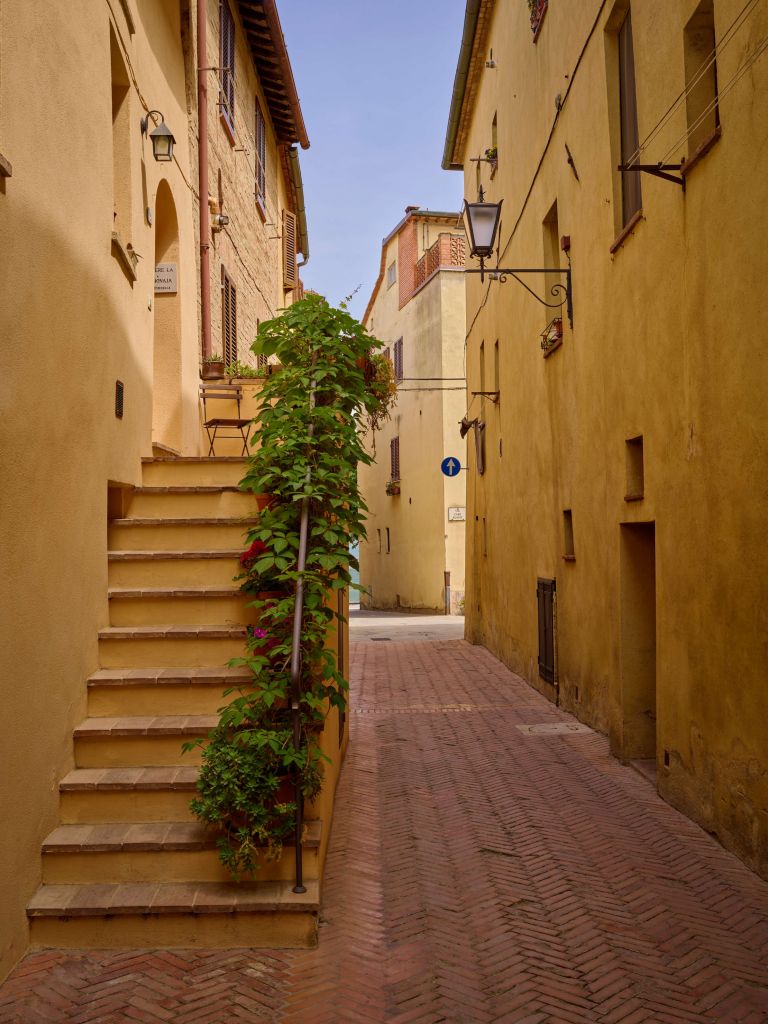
(476, 874)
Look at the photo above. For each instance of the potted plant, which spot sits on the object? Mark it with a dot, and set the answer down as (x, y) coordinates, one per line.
(242, 371)
(393, 487)
(552, 335)
(213, 367)
(536, 9)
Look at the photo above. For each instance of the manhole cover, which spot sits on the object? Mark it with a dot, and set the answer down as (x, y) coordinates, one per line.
(553, 728)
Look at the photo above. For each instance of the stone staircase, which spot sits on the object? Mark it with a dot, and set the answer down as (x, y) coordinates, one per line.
(129, 866)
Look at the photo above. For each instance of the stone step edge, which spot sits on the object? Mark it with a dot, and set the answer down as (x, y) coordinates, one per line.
(109, 677)
(160, 556)
(148, 837)
(197, 521)
(145, 725)
(174, 632)
(172, 898)
(163, 593)
(143, 779)
(189, 459)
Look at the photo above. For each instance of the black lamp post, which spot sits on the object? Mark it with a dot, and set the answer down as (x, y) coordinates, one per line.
(482, 223)
(161, 137)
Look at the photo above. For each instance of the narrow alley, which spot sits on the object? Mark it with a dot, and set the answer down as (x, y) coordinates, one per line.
(490, 862)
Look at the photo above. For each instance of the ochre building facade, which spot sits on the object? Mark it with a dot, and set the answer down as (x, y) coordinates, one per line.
(102, 366)
(616, 552)
(415, 521)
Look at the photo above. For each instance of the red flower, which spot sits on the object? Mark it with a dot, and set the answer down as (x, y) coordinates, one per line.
(254, 551)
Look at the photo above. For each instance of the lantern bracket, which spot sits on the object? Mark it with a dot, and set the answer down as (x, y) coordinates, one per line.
(565, 291)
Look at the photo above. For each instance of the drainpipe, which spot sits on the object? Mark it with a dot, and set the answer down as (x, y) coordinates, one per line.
(447, 592)
(202, 159)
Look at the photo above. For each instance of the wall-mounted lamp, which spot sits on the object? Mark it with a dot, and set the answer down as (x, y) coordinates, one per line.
(219, 221)
(161, 137)
(482, 223)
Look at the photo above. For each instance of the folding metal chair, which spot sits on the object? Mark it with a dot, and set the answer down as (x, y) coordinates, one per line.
(230, 426)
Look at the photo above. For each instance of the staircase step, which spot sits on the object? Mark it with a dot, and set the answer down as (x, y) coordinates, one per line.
(173, 534)
(104, 795)
(216, 500)
(132, 741)
(181, 472)
(144, 606)
(161, 691)
(196, 915)
(171, 644)
(174, 568)
(158, 852)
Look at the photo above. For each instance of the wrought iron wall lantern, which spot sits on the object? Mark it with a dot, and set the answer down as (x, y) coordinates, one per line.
(482, 223)
(161, 137)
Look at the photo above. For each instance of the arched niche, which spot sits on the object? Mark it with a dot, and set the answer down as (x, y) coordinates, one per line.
(166, 389)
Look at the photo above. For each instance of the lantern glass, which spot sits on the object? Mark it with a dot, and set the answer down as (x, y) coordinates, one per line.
(162, 143)
(482, 225)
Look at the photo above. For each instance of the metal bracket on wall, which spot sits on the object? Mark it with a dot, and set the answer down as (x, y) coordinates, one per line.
(565, 290)
(658, 171)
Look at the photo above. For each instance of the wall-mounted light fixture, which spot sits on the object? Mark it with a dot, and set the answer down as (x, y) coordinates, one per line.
(482, 223)
(161, 137)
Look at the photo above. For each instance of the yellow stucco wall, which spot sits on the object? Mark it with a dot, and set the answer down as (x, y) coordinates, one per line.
(664, 346)
(422, 543)
(72, 324)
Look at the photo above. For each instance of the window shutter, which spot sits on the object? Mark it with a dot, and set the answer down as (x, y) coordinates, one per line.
(261, 157)
(289, 249)
(228, 319)
(399, 359)
(227, 61)
(394, 458)
(545, 597)
(632, 199)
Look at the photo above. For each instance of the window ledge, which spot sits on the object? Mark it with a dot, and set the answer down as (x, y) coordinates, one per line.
(701, 151)
(125, 256)
(633, 497)
(6, 171)
(626, 231)
(261, 209)
(569, 558)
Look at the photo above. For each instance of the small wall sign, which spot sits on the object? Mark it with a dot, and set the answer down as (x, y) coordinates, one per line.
(457, 514)
(165, 278)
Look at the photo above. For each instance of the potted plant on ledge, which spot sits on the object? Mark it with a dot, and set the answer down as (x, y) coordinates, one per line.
(213, 367)
(393, 487)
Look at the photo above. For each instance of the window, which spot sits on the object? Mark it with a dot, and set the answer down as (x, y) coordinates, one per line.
(394, 458)
(496, 370)
(631, 197)
(227, 66)
(290, 273)
(261, 159)
(389, 548)
(634, 468)
(545, 596)
(702, 108)
(228, 319)
(398, 359)
(388, 354)
(378, 532)
(391, 273)
(569, 552)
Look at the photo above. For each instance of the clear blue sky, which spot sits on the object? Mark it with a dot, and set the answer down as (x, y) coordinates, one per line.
(375, 81)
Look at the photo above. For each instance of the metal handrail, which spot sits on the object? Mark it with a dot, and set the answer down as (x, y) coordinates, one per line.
(298, 620)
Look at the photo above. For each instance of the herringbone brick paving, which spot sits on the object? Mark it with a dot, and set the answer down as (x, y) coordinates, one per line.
(476, 874)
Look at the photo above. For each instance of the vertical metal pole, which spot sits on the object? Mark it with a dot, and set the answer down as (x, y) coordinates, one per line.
(298, 616)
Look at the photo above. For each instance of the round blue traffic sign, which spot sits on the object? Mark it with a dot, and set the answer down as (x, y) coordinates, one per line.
(450, 466)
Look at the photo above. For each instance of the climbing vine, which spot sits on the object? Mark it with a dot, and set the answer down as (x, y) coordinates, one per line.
(308, 447)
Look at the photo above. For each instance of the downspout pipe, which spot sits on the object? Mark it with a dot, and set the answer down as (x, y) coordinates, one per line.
(202, 169)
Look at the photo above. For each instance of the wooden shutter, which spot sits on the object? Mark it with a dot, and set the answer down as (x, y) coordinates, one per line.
(228, 319)
(399, 359)
(394, 458)
(545, 597)
(227, 63)
(631, 197)
(261, 157)
(289, 250)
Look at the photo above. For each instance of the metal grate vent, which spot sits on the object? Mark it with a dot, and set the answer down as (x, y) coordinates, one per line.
(119, 392)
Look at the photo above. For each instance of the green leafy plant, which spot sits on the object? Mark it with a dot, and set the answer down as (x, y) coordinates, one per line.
(309, 423)
(213, 359)
(492, 153)
(238, 369)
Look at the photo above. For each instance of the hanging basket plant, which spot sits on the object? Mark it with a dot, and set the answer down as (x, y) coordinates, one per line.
(309, 423)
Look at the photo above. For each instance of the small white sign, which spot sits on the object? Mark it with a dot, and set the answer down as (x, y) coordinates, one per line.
(165, 278)
(457, 514)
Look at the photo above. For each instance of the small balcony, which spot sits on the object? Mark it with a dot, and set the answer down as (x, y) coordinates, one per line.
(447, 251)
